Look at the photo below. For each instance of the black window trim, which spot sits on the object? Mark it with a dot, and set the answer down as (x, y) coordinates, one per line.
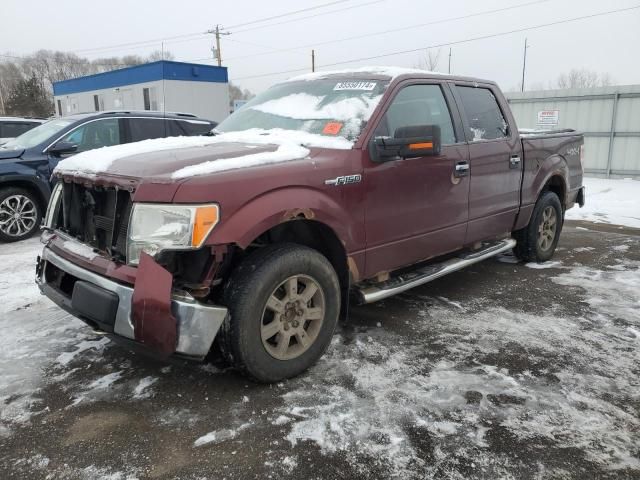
(449, 99)
(487, 86)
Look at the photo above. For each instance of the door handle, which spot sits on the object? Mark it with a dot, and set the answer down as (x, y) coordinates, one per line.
(514, 161)
(461, 170)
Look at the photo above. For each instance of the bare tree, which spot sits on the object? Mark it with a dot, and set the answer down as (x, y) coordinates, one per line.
(430, 60)
(583, 78)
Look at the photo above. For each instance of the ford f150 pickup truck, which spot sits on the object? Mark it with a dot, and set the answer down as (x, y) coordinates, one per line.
(351, 184)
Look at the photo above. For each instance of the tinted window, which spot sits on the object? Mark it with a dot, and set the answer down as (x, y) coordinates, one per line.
(418, 105)
(12, 130)
(101, 133)
(483, 114)
(193, 127)
(147, 128)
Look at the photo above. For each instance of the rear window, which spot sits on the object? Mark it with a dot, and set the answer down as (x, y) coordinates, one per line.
(192, 127)
(147, 128)
(15, 129)
(484, 117)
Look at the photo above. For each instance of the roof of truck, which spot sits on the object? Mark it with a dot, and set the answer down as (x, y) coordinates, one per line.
(384, 72)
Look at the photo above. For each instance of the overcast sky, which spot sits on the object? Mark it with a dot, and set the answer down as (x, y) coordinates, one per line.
(604, 44)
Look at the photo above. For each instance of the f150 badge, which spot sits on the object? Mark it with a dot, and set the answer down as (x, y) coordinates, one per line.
(344, 180)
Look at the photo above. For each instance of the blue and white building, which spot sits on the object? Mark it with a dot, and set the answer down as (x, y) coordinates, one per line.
(163, 86)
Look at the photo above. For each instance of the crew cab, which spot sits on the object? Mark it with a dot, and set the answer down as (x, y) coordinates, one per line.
(353, 184)
(26, 162)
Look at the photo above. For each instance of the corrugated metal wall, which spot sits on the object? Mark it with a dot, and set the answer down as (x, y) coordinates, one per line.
(609, 117)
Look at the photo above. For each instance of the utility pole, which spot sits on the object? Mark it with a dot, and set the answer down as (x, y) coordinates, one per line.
(524, 62)
(217, 50)
(313, 60)
(449, 60)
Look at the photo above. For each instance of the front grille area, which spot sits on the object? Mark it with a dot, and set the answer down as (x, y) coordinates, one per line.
(96, 216)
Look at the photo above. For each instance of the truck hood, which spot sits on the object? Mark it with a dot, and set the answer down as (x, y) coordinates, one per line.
(172, 160)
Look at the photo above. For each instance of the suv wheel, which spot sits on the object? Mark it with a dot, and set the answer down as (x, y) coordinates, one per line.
(284, 302)
(537, 241)
(20, 214)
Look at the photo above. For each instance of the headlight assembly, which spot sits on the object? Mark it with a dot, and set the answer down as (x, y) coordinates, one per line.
(154, 228)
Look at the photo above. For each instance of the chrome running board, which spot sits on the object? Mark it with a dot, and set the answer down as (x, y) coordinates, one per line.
(425, 274)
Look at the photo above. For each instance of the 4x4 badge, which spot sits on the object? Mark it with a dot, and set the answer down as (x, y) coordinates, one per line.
(344, 180)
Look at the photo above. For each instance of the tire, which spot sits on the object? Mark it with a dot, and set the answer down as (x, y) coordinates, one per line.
(261, 302)
(20, 214)
(531, 246)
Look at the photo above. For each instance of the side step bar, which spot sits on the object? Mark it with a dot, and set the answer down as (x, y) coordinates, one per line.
(423, 275)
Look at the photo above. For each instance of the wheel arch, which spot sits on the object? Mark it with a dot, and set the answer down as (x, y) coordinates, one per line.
(35, 187)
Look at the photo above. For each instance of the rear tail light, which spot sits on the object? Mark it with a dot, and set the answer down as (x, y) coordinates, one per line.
(582, 156)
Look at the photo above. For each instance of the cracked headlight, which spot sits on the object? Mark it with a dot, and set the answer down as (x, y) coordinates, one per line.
(155, 227)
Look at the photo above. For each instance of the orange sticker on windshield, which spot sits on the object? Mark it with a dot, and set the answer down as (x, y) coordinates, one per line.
(332, 128)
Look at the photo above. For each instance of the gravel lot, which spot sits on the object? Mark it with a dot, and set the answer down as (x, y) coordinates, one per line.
(503, 370)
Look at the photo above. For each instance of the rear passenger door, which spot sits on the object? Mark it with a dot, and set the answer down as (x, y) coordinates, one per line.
(494, 158)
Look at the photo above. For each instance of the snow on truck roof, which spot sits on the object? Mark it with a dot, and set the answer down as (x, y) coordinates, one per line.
(390, 72)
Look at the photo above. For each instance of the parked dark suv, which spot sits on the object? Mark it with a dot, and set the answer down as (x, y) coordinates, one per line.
(26, 162)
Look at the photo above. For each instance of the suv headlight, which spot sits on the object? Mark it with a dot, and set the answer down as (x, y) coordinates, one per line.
(156, 227)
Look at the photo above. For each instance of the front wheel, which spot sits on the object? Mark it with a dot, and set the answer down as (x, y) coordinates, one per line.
(537, 241)
(284, 302)
(20, 214)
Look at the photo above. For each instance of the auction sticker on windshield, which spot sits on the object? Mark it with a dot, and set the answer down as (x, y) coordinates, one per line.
(366, 86)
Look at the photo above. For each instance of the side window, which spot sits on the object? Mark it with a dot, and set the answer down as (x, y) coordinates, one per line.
(147, 128)
(12, 130)
(101, 133)
(195, 127)
(418, 105)
(484, 117)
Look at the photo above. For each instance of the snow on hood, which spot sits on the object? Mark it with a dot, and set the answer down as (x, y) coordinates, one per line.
(284, 153)
(289, 144)
(391, 72)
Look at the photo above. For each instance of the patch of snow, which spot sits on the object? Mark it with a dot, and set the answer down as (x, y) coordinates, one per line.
(389, 71)
(102, 159)
(66, 357)
(613, 201)
(583, 249)
(281, 420)
(543, 265)
(284, 153)
(621, 248)
(141, 390)
(98, 388)
(303, 106)
(217, 436)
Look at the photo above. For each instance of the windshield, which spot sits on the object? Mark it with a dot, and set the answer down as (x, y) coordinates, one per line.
(37, 135)
(330, 107)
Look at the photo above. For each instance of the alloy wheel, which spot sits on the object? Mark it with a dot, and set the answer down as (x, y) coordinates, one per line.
(547, 228)
(292, 317)
(18, 215)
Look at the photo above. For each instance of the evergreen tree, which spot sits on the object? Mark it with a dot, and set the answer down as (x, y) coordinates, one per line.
(28, 98)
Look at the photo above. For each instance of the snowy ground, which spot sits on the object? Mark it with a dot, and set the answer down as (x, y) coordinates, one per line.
(610, 201)
(498, 371)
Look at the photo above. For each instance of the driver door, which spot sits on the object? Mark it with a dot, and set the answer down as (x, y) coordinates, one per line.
(417, 208)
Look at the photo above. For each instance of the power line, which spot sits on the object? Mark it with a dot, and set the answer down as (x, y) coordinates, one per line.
(194, 35)
(383, 32)
(288, 14)
(67, 62)
(457, 42)
(310, 16)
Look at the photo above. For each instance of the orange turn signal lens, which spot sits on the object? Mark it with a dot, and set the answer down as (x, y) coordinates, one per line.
(206, 218)
(420, 146)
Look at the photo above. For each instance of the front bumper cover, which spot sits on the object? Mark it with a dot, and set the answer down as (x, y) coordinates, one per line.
(197, 324)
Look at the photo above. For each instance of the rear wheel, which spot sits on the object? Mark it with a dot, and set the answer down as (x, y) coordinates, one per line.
(283, 302)
(537, 241)
(20, 214)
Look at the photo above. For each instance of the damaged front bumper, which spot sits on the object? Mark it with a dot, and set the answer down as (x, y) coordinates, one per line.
(111, 307)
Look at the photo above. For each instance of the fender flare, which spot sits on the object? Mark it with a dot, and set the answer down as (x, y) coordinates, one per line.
(555, 166)
(32, 181)
(274, 208)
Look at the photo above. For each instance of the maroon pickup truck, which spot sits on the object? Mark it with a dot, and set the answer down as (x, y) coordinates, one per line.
(360, 183)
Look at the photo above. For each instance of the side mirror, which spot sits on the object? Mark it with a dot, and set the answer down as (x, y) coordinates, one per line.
(63, 148)
(409, 142)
